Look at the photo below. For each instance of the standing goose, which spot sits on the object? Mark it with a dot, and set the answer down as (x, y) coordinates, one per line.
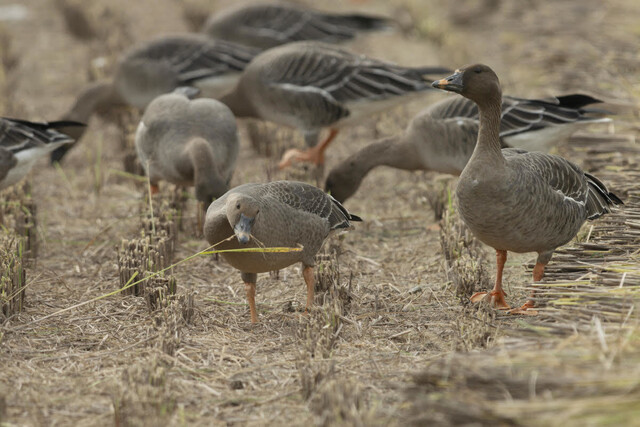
(311, 86)
(514, 200)
(442, 137)
(188, 142)
(23, 142)
(276, 214)
(269, 25)
(160, 66)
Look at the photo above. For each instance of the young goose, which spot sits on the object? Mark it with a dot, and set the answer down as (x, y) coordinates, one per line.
(442, 137)
(270, 25)
(160, 66)
(188, 142)
(310, 86)
(276, 214)
(514, 200)
(23, 142)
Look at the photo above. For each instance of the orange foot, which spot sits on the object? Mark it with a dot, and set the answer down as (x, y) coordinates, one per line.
(495, 298)
(311, 156)
(525, 310)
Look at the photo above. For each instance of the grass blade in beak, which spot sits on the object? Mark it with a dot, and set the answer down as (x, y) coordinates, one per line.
(242, 229)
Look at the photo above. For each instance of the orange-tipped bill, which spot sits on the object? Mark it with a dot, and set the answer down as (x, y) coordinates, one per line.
(453, 83)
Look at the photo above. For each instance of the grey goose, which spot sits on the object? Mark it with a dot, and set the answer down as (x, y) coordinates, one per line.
(273, 24)
(275, 214)
(514, 200)
(311, 86)
(188, 142)
(22, 143)
(442, 137)
(160, 66)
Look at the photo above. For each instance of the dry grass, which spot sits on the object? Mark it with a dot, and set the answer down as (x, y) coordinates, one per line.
(388, 342)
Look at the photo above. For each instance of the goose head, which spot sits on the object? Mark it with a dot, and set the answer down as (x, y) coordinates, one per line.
(242, 211)
(477, 82)
(343, 180)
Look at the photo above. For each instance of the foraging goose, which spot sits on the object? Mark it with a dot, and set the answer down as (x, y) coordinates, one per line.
(275, 214)
(188, 142)
(442, 137)
(514, 200)
(310, 86)
(269, 25)
(160, 66)
(23, 142)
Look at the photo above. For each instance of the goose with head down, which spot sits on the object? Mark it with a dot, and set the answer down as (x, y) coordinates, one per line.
(188, 142)
(311, 86)
(275, 214)
(160, 66)
(514, 200)
(442, 137)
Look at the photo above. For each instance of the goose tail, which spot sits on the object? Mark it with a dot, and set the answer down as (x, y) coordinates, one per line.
(600, 199)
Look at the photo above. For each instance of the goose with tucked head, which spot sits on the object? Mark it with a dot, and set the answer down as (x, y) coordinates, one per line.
(514, 200)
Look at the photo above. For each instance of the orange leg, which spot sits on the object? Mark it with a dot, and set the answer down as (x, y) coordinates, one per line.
(307, 273)
(313, 155)
(250, 288)
(538, 272)
(496, 296)
(154, 189)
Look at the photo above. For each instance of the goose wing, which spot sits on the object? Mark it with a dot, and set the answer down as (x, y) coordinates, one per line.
(275, 24)
(566, 179)
(307, 198)
(195, 57)
(342, 77)
(18, 135)
(523, 115)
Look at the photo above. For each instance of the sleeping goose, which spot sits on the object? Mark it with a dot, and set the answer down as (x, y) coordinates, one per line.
(311, 86)
(514, 200)
(275, 214)
(269, 25)
(160, 66)
(23, 142)
(188, 142)
(442, 137)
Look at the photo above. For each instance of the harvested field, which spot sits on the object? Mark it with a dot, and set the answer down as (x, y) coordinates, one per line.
(392, 339)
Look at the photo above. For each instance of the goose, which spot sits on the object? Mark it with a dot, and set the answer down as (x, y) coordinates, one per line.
(275, 214)
(442, 137)
(515, 200)
(269, 25)
(311, 86)
(159, 66)
(188, 142)
(22, 143)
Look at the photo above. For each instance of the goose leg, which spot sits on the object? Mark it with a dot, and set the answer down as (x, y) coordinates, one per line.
(307, 273)
(250, 288)
(538, 272)
(497, 294)
(313, 155)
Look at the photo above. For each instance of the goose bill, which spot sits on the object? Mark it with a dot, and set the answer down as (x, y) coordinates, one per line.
(453, 83)
(242, 229)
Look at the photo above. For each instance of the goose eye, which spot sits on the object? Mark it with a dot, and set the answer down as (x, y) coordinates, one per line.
(238, 206)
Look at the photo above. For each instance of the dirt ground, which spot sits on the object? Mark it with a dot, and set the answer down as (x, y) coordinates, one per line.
(390, 310)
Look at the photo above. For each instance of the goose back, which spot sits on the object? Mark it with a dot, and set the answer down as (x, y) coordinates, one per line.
(291, 214)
